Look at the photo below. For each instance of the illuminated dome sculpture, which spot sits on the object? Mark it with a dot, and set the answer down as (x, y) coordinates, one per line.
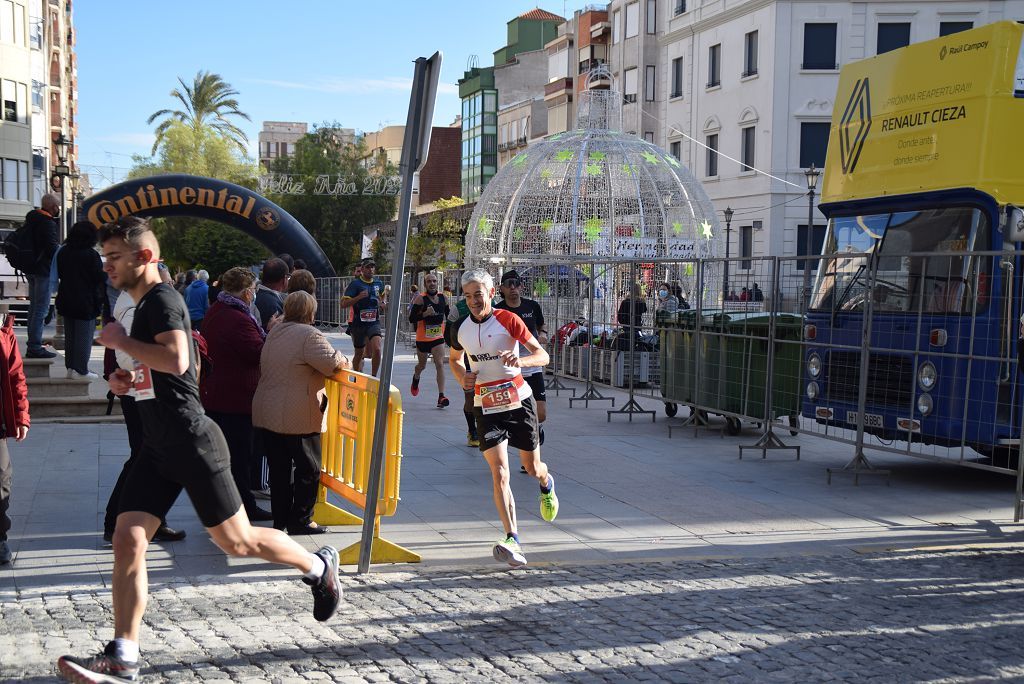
(593, 193)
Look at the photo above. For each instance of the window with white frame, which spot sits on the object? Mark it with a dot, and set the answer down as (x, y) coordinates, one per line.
(632, 19)
(616, 26)
(649, 83)
(677, 77)
(629, 85)
(747, 148)
(715, 65)
(652, 16)
(750, 54)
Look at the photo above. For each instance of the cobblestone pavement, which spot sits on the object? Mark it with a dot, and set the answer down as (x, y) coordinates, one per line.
(944, 616)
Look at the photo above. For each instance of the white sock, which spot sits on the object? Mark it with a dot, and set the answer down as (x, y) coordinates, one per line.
(317, 571)
(126, 649)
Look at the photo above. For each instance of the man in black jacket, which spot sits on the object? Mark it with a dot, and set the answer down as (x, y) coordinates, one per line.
(44, 244)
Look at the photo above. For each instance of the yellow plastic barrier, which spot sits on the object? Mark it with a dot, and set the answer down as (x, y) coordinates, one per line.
(345, 450)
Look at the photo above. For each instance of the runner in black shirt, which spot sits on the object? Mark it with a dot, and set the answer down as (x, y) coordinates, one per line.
(183, 450)
(530, 311)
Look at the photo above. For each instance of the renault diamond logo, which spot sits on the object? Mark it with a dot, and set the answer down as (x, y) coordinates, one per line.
(854, 126)
(943, 52)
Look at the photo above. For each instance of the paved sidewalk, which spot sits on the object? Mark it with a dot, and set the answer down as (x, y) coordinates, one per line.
(670, 559)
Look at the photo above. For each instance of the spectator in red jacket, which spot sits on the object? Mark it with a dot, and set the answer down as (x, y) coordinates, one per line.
(14, 411)
(235, 340)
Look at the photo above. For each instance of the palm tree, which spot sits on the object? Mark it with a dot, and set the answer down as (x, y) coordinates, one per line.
(208, 102)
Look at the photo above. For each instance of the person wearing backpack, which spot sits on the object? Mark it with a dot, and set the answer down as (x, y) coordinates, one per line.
(42, 225)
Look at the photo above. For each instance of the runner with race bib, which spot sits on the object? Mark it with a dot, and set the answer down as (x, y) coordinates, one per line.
(503, 404)
(364, 295)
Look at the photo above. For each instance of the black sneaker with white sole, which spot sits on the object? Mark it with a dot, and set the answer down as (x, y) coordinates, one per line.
(327, 589)
(105, 667)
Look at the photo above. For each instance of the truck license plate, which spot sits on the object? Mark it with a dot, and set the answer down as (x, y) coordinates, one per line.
(870, 419)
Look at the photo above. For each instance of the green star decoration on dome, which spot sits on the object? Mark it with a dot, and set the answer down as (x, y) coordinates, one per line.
(677, 228)
(483, 226)
(546, 173)
(628, 170)
(564, 156)
(598, 156)
(519, 159)
(546, 225)
(637, 233)
(651, 158)
(593, 169)
(705, 229)
(592, 228)
(518, 233)
(672, 160)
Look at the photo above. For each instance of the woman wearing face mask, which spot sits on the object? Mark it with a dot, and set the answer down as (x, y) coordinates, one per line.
(666, 300)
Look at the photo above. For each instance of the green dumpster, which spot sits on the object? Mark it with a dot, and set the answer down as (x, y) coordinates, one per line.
(733, 363)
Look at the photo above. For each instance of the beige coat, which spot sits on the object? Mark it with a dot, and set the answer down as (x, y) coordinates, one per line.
(295, 361)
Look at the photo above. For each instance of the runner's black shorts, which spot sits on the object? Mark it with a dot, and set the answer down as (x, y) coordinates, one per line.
(536, 383)
(427, 347)
(200, 464)
(518, 427)
(361, 332)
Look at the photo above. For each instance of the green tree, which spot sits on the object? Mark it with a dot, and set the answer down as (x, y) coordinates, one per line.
(207, 103)
(335, 221)
(189, 242)
(438, 243)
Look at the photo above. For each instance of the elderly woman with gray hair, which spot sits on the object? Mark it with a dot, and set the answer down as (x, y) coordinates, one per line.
(295, 362)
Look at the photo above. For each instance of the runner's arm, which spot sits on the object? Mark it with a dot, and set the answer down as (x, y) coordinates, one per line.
(537, 358)
(169, 353)
(457, 365)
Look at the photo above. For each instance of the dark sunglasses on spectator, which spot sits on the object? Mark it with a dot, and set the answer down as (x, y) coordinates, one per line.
(512, 282)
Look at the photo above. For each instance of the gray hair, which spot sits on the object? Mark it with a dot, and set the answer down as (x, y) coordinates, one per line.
(478, 275)
(203, 275)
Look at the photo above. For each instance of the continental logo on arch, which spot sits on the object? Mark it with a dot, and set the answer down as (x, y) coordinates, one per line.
(150, 197)
(855, 125)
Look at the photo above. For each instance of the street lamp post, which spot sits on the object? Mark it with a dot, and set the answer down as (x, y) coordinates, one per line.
(812, 183)
(725, 272)
(62, 171)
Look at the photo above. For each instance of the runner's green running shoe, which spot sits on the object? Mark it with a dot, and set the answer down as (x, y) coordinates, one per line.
(509, 551)
(549, 502)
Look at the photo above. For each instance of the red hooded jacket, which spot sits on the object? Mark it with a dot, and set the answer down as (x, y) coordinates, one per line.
(13, 388)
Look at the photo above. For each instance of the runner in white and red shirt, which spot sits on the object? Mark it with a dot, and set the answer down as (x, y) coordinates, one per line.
(503, 403)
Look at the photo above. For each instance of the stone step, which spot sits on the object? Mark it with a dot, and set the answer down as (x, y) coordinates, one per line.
(57, 387)
(38, 368)
(69, 407)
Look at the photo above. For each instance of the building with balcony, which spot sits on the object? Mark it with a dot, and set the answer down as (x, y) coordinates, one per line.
(518, 75)
(746, 90)
(278, 138)
(38, 103)
(581, 46)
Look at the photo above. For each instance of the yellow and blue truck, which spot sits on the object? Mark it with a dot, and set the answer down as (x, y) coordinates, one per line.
(924, 174)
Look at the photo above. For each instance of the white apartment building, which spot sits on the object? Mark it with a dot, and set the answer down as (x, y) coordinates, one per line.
(756, 81)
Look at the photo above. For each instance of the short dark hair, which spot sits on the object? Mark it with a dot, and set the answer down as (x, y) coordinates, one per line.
(274, 270)
(300, 265)
(82, 234)
(288, 260)
(127, 228)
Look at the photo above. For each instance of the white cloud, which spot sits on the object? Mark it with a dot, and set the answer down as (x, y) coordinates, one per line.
(353, 85)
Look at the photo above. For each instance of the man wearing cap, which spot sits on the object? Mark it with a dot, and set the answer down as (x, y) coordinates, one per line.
(364, 296)
(530, 312)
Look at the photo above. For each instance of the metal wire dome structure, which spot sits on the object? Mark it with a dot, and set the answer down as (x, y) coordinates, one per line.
(592, 193)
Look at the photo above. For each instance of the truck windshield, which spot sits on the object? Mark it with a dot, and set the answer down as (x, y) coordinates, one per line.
(943, 283)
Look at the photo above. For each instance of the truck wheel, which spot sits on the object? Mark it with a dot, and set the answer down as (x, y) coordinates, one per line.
(671, 409)
(794, 422)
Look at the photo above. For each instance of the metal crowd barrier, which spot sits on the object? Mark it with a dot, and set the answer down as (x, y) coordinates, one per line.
(346, 451)
(744, 358)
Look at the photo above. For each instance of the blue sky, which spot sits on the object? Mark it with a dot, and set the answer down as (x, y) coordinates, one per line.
(348, 61)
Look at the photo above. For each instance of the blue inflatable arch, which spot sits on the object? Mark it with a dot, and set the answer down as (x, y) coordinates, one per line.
(217, 200)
